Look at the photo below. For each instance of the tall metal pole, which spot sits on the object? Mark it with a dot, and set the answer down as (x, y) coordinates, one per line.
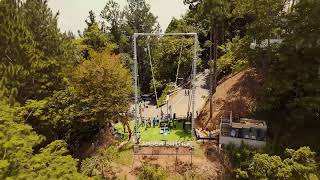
(194, 64)
(135, 85)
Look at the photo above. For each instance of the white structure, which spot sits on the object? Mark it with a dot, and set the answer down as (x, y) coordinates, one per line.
(248, 131)
(264, 43)
(277, 39)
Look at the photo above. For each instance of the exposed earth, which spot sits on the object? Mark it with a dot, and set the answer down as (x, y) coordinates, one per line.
(235, 93)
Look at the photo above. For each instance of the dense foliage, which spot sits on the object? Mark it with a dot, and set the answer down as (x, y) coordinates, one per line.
(250, 163)
(100, 163)
(58, 92)
(289, 98)
(19, 161)
(90, 103)
(291, 94)
(32, 47)
(150, 172)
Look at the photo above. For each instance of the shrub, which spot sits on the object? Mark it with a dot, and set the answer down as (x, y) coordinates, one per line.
(152, 172)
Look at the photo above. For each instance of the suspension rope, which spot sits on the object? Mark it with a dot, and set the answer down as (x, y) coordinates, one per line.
(154, 82)
(177, 75)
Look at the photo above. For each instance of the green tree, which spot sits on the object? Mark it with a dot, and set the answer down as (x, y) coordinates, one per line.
(139, 18)
(114, 23)
(249, 163)
(19, 161)
(101, 98)
(16, 49)
(60, 117)
(290, 96)
(51, 163)
(299, 165)
(100, 163)
(94, 37)
(236, 55)
(267, 16)
(212, 14)
(266, 24)
(91, 101)
(180, 25)
(34, 54)
(166, 58)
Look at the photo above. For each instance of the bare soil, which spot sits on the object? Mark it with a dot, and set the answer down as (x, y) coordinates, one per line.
(205, 163)
(236, 93)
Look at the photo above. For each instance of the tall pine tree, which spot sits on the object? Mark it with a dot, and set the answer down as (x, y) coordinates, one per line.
(33, 52)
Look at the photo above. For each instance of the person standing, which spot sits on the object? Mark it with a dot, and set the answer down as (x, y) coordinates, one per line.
(138, 137)
(157, 120)
(161, 114)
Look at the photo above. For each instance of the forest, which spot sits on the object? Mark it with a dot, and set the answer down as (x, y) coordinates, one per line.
(61, 92)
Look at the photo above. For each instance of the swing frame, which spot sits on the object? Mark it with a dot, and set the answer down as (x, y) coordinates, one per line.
(135, 74)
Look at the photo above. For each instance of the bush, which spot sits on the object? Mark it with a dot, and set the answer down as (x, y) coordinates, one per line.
(235, 57)
(100, 163)
(152, 172)
(250, 164)
(164, 94)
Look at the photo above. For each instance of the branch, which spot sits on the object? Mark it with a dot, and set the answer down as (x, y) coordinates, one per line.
(29, 114)
(8, 57)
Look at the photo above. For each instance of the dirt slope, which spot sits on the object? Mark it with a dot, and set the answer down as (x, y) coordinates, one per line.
(236, 93)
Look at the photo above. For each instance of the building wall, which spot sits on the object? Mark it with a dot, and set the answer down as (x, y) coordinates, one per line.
(237, 141)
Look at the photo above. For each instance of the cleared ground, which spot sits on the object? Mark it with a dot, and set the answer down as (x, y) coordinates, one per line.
(153, 133)
(207, 163)
(236, 93)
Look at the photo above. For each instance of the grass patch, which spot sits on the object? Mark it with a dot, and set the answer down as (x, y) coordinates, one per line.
(198, 149)
(125, 155)
(153, 134)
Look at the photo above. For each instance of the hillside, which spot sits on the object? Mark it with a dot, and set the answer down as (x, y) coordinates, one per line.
(237, 93)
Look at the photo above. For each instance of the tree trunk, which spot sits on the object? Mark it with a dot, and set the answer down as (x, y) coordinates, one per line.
(211, 72)
(292, 5)
(215, 58)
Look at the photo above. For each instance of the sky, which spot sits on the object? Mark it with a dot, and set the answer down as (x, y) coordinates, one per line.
(74, 12)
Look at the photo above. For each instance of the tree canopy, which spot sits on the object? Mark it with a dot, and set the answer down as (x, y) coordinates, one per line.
(19, 161)
(59, 92)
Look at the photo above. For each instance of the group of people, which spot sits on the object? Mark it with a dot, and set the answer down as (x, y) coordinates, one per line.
(150, 122)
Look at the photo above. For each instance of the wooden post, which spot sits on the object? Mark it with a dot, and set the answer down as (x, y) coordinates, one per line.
(215, 61)
(175, 165)
(191, 156)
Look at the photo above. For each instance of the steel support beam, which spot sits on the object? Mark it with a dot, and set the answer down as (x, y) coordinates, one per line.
(193, 81)
(165, 34)
(136, 102)
(194, 66)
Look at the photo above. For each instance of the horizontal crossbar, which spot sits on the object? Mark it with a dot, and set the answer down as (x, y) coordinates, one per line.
(165, 34)
(171, 154)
